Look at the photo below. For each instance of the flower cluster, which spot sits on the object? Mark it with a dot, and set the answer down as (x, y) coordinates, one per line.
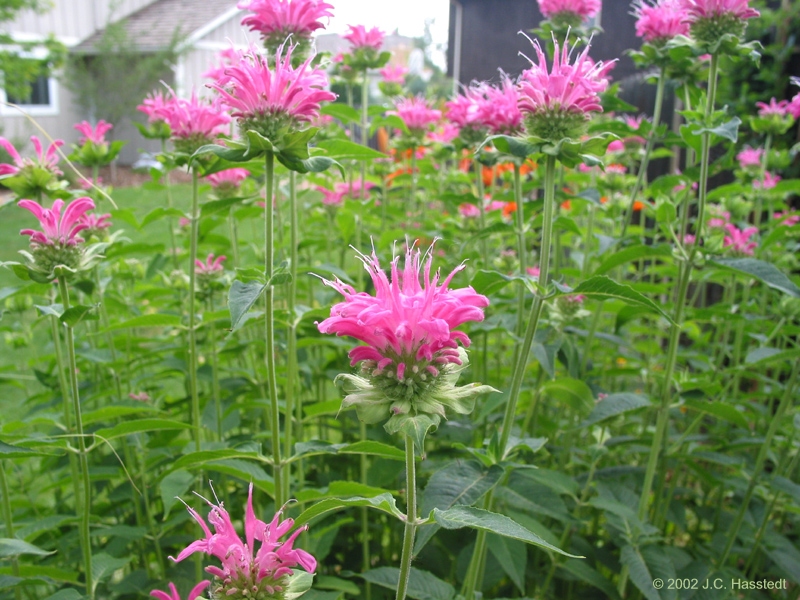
(272, 101)
(340, 190)
(193, 122)
(709, 20)
(393, 78)
(501, 111)
(738, 240)
(244, 572)
(211, 267)
(58, 244)
(750, 157)
(658, 21)
(96, 134)
(365, 48)
(94, 149)
(467, 110)
(416, 114)
(411, 358)
(556, 103)
(360, 37)
(569, 13)
(275, 20)
(226, 183)
(27, 176)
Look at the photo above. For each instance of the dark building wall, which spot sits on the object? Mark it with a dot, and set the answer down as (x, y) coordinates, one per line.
(490, 38)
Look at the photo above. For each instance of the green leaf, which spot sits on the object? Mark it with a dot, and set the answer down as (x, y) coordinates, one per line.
(383, 502)
(159, 213)
(140, 426)
(53, 310)
(457, 483)
(347, 150)
(572, 391)
(613, 405)
(601, 286)
(343, 112)
(764, 355)
(104, 565)
(241, 298)
(75, 314)
(14, 547)
(587, 574)
(152, 320)
(489, 282)
(469, 516)
(728, 130)
(640, 574)
(512, 556)
(721, 410)
(329, 582)
(421, 584)
(173, 486)
(632, 253)
(374, 449)
(206, 457)
(66, 594)
(766, 272)
(513, 146)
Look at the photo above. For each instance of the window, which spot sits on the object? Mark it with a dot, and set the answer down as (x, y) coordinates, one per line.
(42, 101)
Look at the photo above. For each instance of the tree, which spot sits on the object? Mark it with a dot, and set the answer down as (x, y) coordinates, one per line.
(17, 69)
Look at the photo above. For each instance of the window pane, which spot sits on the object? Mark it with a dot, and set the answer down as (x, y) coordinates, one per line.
(39, 95)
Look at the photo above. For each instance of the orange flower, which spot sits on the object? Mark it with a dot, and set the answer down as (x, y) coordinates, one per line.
(488, 176)
(603, 199)
(382, 137)
(509, 209)
(566, 205)
(637, 206)
(527, 167)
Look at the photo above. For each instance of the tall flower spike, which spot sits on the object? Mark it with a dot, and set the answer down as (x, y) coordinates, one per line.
(411, 359)
(244, 573)
(272, 101)
(556, 104)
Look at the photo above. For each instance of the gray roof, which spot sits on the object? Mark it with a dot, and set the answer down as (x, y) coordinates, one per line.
(152, 27)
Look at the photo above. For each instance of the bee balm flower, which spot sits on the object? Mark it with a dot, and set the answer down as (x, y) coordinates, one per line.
(659, 21)
(711, 19)
(272, 101)
(569, 13)
(556, 104)
(411, 359)
(173, 595)
(96, 134)
(26, 176)
(246, 573)
(193, 122)
(360, 37)
(416, 114)
(275, 20)
(738, 241)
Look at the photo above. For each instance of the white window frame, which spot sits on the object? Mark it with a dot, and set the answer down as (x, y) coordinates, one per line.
(35, 110)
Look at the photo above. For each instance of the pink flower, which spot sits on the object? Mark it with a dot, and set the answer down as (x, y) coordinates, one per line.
(333, 197)
(444, 134)
(153, 105)
(87, 184)
(145, 397)
(584, 9)
(466, 109)
(406, 325)
(173, 595)
(750, 157)
(277, 19)
(341, 190)
(575, 298)
(615, 147)
(689, 239)
(738, 240)
(229, 178)
(61, 230)
(416, 113)
(267, 100)
(468, 211)
(394, 74)
(263, 572)
(786, 219)
(227, 58)
(616, 169)
(360, 37)
(557, 104)
(793, 108)
(353, 189)
(710, 9)
(183, 222)
(719, 219)
(212, 266)
(533, 271)
(500, 111)
(770, 181)
(660, 20)
(193, 122)
(773, 108)
(95, 134)
(95, 223)
(45, 160)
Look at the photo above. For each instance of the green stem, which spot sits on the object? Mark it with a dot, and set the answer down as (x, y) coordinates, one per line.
(170, 222)
(291, 332)
(234, 237)
(774, 424)
(215, 388)
(8, 516)
(413, 200)
(364, 130)
(647, 151)
(269, 333)
(521, 248)
(760, 195)
(482, 216)
(84, 501)
(363, 468)
(194, 217)
(411, 520)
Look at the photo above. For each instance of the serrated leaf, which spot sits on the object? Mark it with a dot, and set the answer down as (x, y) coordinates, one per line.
(764, 271)
(14, 547)
(421, 584)
(457, 483)
(587, 574)
(613, 405)
(477, 518)
(512, 556)
(75, 314)
(173, 486)
(242, 297)
(601, 286)
(639, 573)
(489, 282)
(383, 502)
(104, 565)
(720, 410)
